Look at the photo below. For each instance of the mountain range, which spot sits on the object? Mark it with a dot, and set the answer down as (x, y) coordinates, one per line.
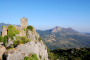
(59, 37)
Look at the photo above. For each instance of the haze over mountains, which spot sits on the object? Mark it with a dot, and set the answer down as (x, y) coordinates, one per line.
(59, 37)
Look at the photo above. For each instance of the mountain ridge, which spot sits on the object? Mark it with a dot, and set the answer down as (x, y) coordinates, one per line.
(59, 37)
(60, 29)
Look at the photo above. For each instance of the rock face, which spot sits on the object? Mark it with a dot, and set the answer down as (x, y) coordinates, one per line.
(2, 50)
(33, 47)
(10, 42)
(32, 35)
(24, 50)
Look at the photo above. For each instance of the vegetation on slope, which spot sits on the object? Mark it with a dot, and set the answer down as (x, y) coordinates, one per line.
(5, 39)
(30, 28)
(31, 57)
(12, 31)
(72, 54)
(21, 40)
(64, 39)
(51, 56)
(1, 39)
(40, 38)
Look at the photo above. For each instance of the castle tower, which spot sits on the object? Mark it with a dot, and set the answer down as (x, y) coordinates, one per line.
(24, 22)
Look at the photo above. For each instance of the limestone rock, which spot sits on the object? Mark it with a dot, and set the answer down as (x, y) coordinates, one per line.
(24, 50)
(10, 42)
(32, 35)
(34, 46)
(2, 50)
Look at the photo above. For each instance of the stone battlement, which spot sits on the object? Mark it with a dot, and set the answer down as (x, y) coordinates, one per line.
(24, 23)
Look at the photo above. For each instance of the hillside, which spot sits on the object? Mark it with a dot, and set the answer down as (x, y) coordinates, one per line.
(22, 43)
(72, 54)
(59, 37)
(87, 33)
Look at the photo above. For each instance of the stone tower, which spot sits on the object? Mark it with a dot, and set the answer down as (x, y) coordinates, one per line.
(24, 22)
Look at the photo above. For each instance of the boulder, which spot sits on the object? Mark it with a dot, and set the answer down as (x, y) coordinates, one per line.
(2, 50)
(9, 42)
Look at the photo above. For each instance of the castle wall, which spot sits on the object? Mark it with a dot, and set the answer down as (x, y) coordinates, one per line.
(4, 31)
(24, 23)
(22, 31)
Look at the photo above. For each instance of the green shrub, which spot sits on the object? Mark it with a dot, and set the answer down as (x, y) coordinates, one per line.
(36, 37)
(10, 47)
(3, 26)
(34, 57)
(21, 40)
(51, 56)
(1, 39)
(5, 40)
(0, 33)
(12, 31)
(15, 43)
(40, 56)
(43, 58)
(24, 29)
(30, 28)
(40, 38)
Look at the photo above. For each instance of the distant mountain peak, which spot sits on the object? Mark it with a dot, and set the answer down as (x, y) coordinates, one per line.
(60, 29)
(72, 30)
(69, 28)
(56, 29)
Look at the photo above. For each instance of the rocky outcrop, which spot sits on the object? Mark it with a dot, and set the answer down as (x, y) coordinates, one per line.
(2, 50)
(35, 46)
(9, 42)
(24, 50)
(32, 35)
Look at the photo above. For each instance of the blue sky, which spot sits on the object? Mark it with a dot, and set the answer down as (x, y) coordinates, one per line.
(46, 14)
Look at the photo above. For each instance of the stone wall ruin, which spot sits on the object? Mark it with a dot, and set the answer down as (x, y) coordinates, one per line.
(24, 23)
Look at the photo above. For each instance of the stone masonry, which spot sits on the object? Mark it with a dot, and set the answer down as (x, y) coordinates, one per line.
(24, 23)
